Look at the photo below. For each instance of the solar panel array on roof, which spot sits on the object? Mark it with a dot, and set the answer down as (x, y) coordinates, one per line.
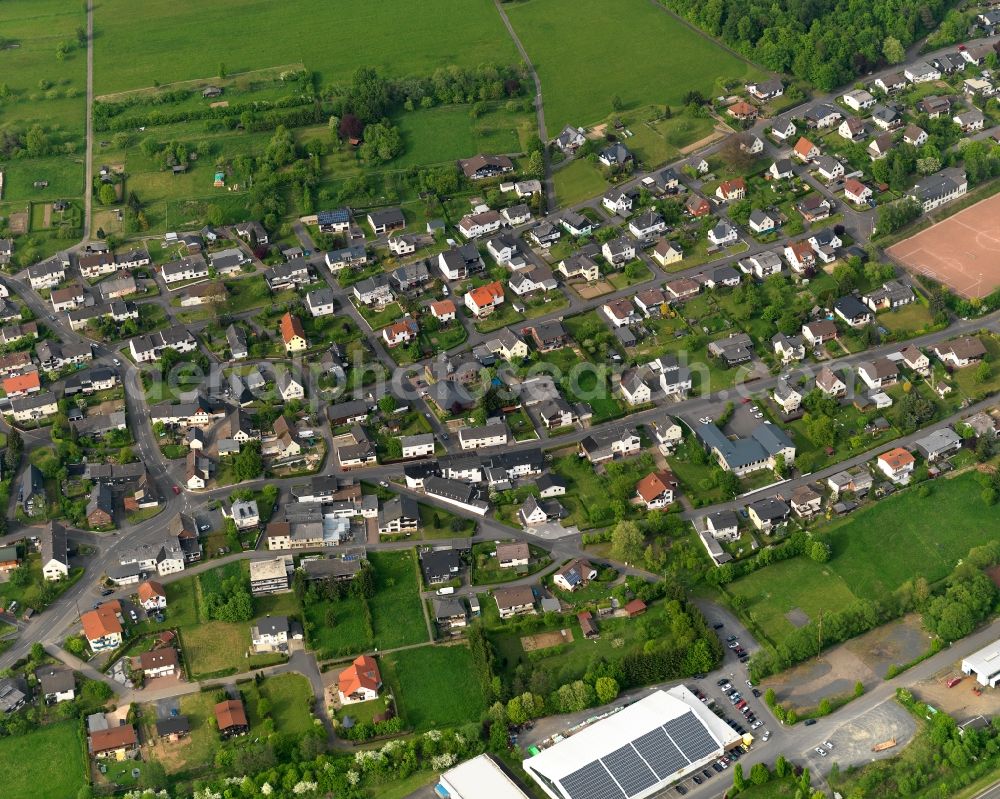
(591, 782)
(629, 770)
(658, 755)
(660, 752)
(690, 734)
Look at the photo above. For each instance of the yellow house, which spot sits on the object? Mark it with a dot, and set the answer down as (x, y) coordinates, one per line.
(292, 334)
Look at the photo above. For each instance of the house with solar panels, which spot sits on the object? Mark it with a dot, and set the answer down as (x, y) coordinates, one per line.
(636, 752)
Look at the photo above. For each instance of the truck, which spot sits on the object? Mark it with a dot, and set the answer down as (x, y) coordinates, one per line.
(445, 591)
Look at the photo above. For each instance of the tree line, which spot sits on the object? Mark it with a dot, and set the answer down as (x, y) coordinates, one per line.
(826, 44)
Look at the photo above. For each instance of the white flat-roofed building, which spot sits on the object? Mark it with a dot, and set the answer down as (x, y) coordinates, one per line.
(478, 778)
(984, 665)
(636, 752)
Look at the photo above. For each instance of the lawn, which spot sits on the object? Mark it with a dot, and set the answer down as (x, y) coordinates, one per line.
(926, 536)
(291, 700)
(444, 134)
(578, 181)
(910, 318)
(198, 751)
(397, 614)
(586, 492)
(335, 628)
(56, 760)
(486, 568)
(562, 38)
(179, 40)
(434, 686)
(798, 583)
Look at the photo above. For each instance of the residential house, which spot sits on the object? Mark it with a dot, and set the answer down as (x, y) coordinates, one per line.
(942, 187)
(934, 106)
(473, 226)
(636, 386)
(483, 300)
(102, 627)
(231, 719)
(788, 348)
(854, 312)
(697, 206)
(897, 464)
(570, 140)
(482, 167)
(386, 220)
(114, 743)
(580, 266)
(162, 662)
(733, 350)
(617, 201)
(449, 613)
(961, 352)
(742, 111)
(890, 84)
(970, 121)
(892, 294)
(647, 225)
(604, 445)
(787, 397)
(152, 596)
(270, 634)
(667, 252)
(858, 100)
(54, 551)
(822, 116)
(615, 156)
(766, 514)
(783, 129)
(938, 443)
(915, 136)
(763, 221)
(830, 383)
(56, 684)
(722, 525)
(829, 168)
(921, 72)
(575, 574)
(402, 332)
(293, 334)
(856, 192)
(762, 265)
(656, 489)
(878, 373)
(853, 129)
(491, 435)
(48, 274)
(731, 190)
(880, 146)
(619, 251)
(806, 501)
(819, 331)
(781, 169)
(914, 359)
(619, 312)
(766, 89)
(814, 208)
(515, 600)
(723, 234)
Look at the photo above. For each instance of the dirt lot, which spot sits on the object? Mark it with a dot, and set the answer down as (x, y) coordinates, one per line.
(18, 223)
(959, 702)
(544, 640)
(864, 658)
(961, 252)
(853, 741)
(588, 291)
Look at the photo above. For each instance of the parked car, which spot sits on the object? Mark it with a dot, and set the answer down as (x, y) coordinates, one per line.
(107, 592)
(810, 722)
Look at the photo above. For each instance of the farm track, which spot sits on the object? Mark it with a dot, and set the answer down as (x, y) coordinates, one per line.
(550, 197)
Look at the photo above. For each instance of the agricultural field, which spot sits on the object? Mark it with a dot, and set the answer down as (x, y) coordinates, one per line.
(417, 676)
(56, 758)
(462, 32)
(567, 40)
(397, 612)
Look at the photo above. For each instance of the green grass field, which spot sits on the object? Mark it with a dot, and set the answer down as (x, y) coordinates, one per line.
(49, 756)
(793, 584)
(337, 628)
(576, 48)
(290, 696)
(418, 676)
(44, 89)
(578, 181)
(444, 134)
(926, 536)
(397, 615)
(317, 33)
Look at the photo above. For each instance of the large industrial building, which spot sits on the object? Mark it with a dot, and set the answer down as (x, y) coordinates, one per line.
(984, 665)
(479, 778)
(636, 752)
